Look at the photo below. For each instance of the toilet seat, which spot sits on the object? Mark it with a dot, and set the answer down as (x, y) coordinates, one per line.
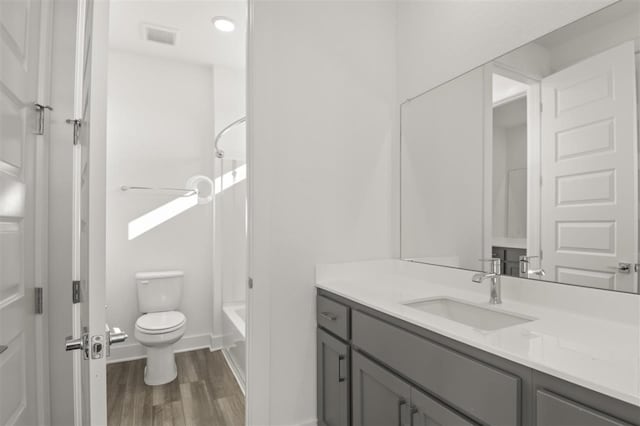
(160, 322)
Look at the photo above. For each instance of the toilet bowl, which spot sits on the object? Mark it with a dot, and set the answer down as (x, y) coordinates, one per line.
(158, 332)
(161, 325)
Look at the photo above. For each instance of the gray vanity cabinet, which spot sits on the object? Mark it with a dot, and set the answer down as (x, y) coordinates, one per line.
(426, 411)
(559, 402)
(553, 409)
(334, 380)
(377, 370)
(379, 397)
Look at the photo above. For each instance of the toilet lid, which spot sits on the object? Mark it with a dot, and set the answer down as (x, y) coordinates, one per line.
(160, 321)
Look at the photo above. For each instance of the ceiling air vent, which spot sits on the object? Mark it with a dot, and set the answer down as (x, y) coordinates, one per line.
(162, 35)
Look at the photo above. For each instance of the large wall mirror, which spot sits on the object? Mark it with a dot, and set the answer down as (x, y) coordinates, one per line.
(532, 158)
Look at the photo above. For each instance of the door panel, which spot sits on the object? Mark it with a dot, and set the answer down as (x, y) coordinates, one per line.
(379, 397)
(19, 56)
(89, 176)
(589, 169)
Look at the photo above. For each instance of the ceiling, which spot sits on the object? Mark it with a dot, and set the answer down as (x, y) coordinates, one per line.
(606, 16)
(198, 41)
(505, 88)
(511, 114)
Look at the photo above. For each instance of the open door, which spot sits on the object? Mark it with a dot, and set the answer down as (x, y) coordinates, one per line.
(589, 208)
(21, 123)
(91, 339)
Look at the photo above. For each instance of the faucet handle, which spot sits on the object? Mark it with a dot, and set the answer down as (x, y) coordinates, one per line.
(527, 258)
(496, 264)
(523, 260)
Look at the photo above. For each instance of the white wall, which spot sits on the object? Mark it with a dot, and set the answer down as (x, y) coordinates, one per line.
(509, 170)
(230, 105)
(230, 253)
(231, 250)
(442, 169)
(439, 40)
(160, 127)
(509, 204)
(595, 41)
(321, 102)
(321, 153)
(499, 181)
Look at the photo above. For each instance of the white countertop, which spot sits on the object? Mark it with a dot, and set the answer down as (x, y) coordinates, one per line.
(589, 350)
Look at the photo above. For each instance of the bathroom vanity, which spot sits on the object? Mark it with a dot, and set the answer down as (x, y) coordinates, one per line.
(375, 369)
(527, 163)
(382, 360)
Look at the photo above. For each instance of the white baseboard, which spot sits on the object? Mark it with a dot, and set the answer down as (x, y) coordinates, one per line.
(216, 342)
(234, 370)
(310, 422)
(135, 350)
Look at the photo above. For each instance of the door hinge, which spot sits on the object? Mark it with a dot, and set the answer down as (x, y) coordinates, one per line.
(39, 308)
(76, 130)
(40, 111)
(250, 282)
(541, 107)
(75, 291)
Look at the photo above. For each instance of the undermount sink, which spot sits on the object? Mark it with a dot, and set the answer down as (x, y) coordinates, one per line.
(469, 314)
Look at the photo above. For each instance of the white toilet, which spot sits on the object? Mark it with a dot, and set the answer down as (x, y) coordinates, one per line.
(161, 325)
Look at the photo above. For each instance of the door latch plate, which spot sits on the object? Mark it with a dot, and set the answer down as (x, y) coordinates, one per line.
(97, 346)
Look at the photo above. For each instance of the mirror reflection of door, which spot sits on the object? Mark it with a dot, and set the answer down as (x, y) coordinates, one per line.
(532, 158)
(587, 147)
(589, 160)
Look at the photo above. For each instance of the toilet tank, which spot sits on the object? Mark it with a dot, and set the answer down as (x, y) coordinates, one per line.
(159, 291)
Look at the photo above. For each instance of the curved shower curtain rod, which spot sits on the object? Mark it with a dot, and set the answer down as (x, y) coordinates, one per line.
(219, 152)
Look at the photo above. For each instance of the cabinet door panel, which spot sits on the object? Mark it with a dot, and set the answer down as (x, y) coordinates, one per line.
(552, 409)
(379, 397)
(333, 381)
(429, 412)
(458, 379)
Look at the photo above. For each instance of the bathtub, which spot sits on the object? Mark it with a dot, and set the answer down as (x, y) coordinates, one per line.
(234, 326)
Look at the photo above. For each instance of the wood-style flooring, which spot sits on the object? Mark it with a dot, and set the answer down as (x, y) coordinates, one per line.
(204, 393)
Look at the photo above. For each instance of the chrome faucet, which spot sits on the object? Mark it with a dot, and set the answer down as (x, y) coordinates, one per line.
(525, 261)
(494, 276)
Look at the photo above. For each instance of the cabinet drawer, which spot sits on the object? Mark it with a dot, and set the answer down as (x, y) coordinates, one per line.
(333, 316)
(482, 392)
(552, 409)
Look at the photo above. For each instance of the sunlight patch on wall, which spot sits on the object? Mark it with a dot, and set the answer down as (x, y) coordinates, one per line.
(228, 179)
(160, 215)
(173, 208)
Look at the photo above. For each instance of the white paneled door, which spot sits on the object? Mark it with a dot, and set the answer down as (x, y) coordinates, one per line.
(589, 153)
(19, 57)
(89, 181)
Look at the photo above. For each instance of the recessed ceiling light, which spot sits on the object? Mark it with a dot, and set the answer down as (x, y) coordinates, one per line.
(223, 24)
